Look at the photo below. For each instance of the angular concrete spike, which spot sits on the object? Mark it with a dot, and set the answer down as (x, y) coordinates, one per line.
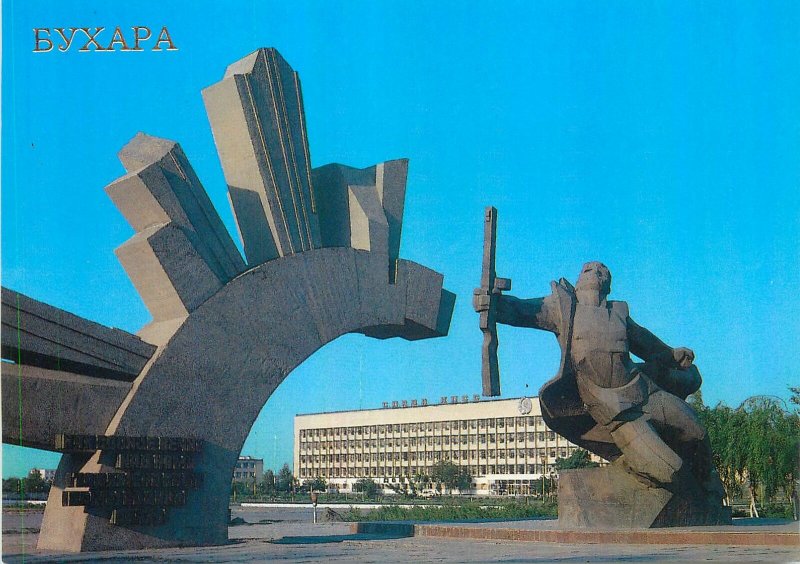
(334, 199)
(390, 179)
(160, 187)
(369, 230)
(169, 273)
(258, 122)
(252, 224)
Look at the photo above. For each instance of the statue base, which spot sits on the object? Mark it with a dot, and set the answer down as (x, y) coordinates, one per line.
(609, 497)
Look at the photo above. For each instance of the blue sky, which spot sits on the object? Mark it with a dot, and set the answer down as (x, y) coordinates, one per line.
(659, 137)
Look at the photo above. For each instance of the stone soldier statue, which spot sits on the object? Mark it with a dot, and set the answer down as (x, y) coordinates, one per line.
(628, 412)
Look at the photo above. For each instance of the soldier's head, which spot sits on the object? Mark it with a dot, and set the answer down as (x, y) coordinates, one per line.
(595, 276)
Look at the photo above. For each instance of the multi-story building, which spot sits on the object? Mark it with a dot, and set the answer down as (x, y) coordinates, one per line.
(248, 469)
(504, 443)
(47, 474)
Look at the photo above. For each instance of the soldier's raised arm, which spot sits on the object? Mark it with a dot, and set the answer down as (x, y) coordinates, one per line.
(538, 313)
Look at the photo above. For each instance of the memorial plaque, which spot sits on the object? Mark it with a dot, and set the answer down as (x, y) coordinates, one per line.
(142, 517)
(91, 443)
(71, 498)
(156, 461)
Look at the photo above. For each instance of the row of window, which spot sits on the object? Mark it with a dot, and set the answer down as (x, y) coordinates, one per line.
(461, 425)
(380, 472)
(429, 441)
(455, 455)
(242, 464)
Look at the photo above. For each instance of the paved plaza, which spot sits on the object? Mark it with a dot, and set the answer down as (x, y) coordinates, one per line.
(288, 535)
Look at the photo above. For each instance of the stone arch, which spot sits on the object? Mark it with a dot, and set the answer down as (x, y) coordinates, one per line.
(248, 336)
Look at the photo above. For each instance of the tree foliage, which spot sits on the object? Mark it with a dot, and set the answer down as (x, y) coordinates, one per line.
(755, 448)
(284, 481)
(33, 483)
(367, 486)
(267, 484)
(316, 485)
(578, 459)
(451, 476)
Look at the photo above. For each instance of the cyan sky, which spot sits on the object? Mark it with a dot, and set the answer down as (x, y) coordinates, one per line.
(662, 138)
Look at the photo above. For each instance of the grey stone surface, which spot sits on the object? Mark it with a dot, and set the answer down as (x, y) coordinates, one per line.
(162, 187)
(331, 184)
(369, 230)
(171, 277)
(603, 401)
(181, 252)
(257, 117)
(610, 497)
(38, 334)
(390, 180)
(38, 403)
(362, 208)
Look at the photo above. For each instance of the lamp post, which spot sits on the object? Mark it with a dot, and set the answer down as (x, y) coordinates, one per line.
(314, 498)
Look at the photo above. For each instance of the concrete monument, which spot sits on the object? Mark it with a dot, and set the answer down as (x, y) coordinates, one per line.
(632, 414)
(152, 424)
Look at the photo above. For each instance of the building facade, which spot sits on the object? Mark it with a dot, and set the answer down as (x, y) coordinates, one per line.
(504, 443)
(248, 469)
(47, 474)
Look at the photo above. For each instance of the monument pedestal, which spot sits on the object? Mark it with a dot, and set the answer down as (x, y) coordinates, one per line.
(609, 497)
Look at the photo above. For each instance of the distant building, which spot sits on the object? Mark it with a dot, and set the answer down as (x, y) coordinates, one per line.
(47, 474)
(248, 469)
(504, 443)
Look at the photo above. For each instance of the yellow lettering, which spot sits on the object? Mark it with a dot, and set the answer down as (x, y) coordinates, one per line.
(117, 39)
(91, 39)
(164, 37)
(67, 42)
(138, 38)
(38, 40)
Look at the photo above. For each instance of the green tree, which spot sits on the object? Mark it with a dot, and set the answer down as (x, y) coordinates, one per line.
(35, 483)
(420, 481)
(240, 490)
(267, 485)
(12, 485)
(578, 459)
(544, 486)
(451, 476)
(316, 485)
(755, 448)
(284, 481)
(367, 486)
